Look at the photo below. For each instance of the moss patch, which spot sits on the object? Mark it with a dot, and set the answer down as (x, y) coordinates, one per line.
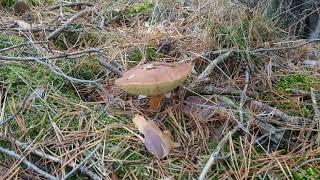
(150, 54)
(299, 81)
(143, 7)
(309, 173)
(7, 40)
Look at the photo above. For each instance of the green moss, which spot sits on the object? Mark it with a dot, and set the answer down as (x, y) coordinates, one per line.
(309, 173)
(7, 40)
(86, 68)
(143, 7)
(40, 75)
(135, 56)
(7, 3)
(66, 40)
(299, 81)
(150, 54)
(33, 2)
(140, 171)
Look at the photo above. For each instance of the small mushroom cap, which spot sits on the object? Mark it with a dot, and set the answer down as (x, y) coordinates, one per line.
(153, 78)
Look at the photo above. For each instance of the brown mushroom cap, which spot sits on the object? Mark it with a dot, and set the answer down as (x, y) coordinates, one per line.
(153, 78)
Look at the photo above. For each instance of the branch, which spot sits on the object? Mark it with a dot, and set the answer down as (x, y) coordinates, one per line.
(110, 68)
(243, 96)
(27, 163)
(27, 146)
(37, 29)
(72, 55)
(67, 23)
(71, 5)
(307, 162)
(82, 163)
(212, 65)
(260, 50)
(315, 107)
(277, 113)
(214, 154)
(20, 45)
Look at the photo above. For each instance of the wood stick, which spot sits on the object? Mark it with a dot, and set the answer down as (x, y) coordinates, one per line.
(71, 5)
(66, 55)
(27, 146)
(27, 163)
(82, 163)
(216, 152)
(67, 23)
(212, 65)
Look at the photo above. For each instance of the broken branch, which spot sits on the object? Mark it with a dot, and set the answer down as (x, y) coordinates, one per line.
(67, 23)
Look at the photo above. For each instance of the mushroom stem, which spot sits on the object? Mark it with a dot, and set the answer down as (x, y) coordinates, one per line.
(155, 102)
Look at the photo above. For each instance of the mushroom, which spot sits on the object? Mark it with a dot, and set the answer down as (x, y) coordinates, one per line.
(21, 7)
(154, 80)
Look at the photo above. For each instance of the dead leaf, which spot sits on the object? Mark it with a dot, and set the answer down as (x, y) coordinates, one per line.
(157, 142)
(140, 122)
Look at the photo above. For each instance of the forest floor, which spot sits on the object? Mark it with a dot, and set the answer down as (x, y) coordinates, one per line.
(248, 110)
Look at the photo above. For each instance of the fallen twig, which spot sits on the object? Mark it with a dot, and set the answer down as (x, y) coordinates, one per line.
(71, 5)
(243, 94)
(67, 23)
(277, 113)
(110, 68)
(20, 45)
(72, 55)
(211, 89)
(315, 107)
(82, 163)
(259, 50)
(212, 65)
(274, 133)
(215, 153)
(37, 29)
(27, 163)
(26, 146)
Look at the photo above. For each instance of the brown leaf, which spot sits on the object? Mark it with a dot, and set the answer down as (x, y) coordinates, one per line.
(140, 122)
(157, 142)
